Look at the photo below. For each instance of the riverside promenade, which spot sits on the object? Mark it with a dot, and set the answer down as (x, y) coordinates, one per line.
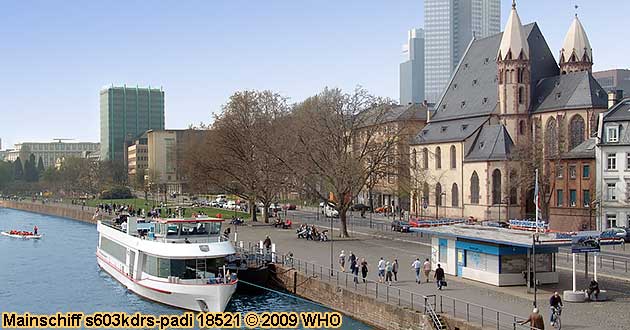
(372, 244)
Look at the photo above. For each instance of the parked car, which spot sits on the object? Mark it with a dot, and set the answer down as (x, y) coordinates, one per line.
(627, 238)
(360, 207)
(619, 233)
(231, 205)
(382, 209)
(401, 226)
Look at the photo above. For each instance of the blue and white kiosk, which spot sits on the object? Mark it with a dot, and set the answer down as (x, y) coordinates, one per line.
(497, 256)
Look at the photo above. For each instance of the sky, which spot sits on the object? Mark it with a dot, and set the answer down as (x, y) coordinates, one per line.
(55, 56)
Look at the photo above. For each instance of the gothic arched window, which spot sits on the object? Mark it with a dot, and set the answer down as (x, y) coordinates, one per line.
(455, 195)
(474, 188)
(414, 160)
(521, 95)
(425, 192)
(576, 131)
(513, 190)
(438, 158)
(453, 157)
(521, 127)
(438, 194)
(425, 158)
(551, 138)
(496, 187)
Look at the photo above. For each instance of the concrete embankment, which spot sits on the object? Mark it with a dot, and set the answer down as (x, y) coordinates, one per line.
(364, 308)
(61, 210)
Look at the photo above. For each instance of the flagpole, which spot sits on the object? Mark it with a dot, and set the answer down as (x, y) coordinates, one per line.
(536, 198)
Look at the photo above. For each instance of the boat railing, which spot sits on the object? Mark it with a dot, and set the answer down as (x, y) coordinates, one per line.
(210, 238)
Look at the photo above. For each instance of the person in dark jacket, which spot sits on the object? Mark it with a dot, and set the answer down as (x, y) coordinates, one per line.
(535, 320)
(364, 269)
(439, 276)
(554, 302)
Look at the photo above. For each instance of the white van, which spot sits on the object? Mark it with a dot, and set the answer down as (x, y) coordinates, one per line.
(221, 199)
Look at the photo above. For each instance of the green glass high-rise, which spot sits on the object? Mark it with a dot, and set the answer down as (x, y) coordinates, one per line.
(126, 113)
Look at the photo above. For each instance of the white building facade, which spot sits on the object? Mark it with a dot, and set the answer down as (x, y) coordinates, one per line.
(613, 166)
(50, 152)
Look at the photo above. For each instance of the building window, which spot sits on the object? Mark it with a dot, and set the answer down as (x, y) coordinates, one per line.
(586, 195)
(586, 171)
(611, 220)
(496, 187)
(438, 158)
(425, 193)
(414, 159)
(572, 197)
(612, 194)
(611, 162)
(628, 161)
(438, 194)
(474, 188)
(560, 171)
(612, 134)
(572, 172)
(455, 195)
(425, 158)
(521, 95)
(559, 197)
(551, 138)
(453, 157)
(521, 127)
(576, 129)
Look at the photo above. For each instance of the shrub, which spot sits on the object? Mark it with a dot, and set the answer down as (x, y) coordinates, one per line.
(116, 193)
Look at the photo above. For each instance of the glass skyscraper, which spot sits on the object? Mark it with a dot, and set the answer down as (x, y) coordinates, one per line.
(126, 113)
(412, 70)
(449, 26)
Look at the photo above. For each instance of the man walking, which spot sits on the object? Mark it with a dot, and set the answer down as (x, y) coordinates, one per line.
(426, 268)
(535, 320)
(342, 261)
(439, 276)
(416, 267)
(395, 269)
(364, 269)
(381, 270)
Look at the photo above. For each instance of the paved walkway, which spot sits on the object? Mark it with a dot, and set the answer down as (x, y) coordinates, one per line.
(514, 300)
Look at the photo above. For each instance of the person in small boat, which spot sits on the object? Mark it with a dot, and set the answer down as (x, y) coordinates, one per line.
(35, 229)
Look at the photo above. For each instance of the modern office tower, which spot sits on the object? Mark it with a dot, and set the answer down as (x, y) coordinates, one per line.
(449, 26)
(412, 70)
(126, 113)
(613, 80)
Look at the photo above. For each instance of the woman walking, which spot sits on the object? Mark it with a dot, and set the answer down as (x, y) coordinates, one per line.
(364, 269)
(342, 261)
(388, 273)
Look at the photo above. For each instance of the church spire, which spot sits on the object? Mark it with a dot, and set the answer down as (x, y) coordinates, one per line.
(576, 53)
(514, 41)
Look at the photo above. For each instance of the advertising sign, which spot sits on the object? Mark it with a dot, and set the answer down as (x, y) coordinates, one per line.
(585, 243)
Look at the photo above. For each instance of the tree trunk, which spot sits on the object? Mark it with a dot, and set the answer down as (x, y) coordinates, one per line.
(344, 227)
(266, 212)
(252, 210)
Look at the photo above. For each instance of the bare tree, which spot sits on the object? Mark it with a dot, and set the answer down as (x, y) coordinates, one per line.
(340, 141)
(241, 150)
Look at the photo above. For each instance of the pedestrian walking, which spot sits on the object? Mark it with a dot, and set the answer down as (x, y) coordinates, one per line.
(388, 273)
(535, 320)
(416, 267)
(381, 270)
(364, 269)
(342, 261)
(267, 243)
(354, 268)
(426, 268)
(439, 277)
(395, 269)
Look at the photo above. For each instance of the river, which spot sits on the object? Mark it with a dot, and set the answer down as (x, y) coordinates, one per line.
(59, 273)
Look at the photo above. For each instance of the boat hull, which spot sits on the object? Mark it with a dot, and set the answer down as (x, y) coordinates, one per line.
(21, 236)
(200, 298)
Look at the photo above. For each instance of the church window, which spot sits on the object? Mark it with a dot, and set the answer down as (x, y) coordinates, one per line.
(438, 158)
(425, 158)
(474, 188)
(496, 187)
(438, 194)
(455, 195)
(576, 129)
(425, 192)
(453, 157)
(521, 127)
(551, 138)
(521, 96)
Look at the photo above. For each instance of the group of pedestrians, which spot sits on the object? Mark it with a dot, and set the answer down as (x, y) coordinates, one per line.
(388, 271)
(355, 266)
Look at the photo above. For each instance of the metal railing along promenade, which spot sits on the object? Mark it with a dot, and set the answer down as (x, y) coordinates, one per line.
(483, 316)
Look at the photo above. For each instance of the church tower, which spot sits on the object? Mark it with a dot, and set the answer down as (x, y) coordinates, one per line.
(576, 54)
(514, 72)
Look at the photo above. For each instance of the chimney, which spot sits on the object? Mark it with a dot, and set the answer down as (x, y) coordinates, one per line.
(614, 96)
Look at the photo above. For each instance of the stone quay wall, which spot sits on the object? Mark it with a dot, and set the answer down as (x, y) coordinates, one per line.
(366, 309)
(75, 212)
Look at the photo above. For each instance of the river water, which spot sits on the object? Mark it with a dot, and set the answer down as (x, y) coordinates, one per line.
(59, 274)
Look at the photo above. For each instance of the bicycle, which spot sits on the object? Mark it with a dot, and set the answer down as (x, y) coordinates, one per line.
(555, 317)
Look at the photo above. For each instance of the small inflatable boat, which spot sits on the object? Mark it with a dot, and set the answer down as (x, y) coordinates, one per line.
(20, 234)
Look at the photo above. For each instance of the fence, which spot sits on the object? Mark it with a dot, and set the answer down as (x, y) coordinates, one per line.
(614, 262)
(470, 312)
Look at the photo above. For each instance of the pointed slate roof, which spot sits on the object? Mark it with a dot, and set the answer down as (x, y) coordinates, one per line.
(584, 150)
(576, 42)
(493, 142)
(514, 40)
(569, 91)
(449, 131)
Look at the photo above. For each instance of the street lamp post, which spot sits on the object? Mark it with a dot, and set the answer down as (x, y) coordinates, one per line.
(332, 235)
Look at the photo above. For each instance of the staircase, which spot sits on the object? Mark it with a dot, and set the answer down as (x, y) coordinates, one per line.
(437, 321)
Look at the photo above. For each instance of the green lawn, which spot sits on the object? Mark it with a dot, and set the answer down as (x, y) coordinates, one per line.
(140, 203)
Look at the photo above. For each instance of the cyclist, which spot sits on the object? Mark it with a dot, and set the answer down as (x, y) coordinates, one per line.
(555, 304)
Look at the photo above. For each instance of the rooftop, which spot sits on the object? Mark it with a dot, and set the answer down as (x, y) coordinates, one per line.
(494, 235)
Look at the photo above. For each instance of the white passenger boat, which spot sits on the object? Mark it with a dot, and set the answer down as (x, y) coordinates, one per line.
(20, 235)
(177, 262)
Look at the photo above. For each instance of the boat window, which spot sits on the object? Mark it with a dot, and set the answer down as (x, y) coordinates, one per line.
(114, 249)
(186, 269)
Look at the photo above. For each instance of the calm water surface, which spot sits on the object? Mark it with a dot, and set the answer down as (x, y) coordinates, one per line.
(59, 273)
